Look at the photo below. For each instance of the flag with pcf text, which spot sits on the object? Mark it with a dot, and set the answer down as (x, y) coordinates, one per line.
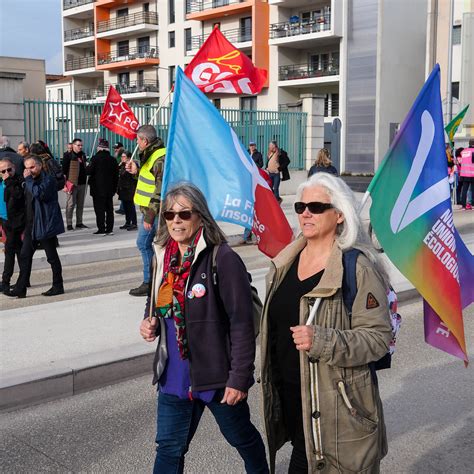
(118, 117)
(204, 150)
(412, 217)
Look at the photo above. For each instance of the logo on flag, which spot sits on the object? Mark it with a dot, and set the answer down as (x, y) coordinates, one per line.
(118, 117)
(221, 68)
(221, 168)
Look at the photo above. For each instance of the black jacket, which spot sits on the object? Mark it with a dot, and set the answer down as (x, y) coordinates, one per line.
(219, 325)
(322, 169)
(72, 156)
(257, 158)
(103, 172)
(43, 214)
(284, 161)
(14, 196)
(15, 158)
(127, 184)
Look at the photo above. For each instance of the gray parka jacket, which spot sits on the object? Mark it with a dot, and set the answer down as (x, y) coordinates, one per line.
(342, 411)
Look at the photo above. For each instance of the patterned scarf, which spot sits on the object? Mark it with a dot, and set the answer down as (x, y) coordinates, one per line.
(170, 300)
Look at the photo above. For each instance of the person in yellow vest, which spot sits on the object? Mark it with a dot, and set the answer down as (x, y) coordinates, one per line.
(147, 196)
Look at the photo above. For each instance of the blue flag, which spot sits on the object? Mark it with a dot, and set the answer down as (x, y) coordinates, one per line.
(204, 150)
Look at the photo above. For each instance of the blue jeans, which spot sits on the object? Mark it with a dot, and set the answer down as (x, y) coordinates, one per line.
(178, 420)
(276, 178)
(145, 245)
(247, 234)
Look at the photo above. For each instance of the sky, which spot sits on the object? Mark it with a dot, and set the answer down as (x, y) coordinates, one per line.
(32, 29)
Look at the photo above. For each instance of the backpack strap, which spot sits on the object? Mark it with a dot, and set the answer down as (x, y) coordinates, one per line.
(349, 279)
(214, 264)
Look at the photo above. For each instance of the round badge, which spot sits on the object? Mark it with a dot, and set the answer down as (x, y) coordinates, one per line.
(190, 295)
(199, 290)
(203, 276)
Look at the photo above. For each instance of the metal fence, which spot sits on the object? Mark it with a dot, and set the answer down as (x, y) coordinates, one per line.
(57, 123)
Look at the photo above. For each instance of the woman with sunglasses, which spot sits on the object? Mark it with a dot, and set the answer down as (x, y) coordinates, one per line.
(319, 392)
(202, 313)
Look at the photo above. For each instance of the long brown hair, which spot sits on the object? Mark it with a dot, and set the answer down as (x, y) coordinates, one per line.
(323, 158)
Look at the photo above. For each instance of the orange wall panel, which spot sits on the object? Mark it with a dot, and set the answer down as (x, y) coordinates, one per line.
(260, 35)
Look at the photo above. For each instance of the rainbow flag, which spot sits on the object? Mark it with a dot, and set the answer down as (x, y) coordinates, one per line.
(453, 126)
(413, 220)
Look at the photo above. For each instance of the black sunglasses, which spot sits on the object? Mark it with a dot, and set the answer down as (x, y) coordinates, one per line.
(183, 215)
(8, 170)
(313, 207)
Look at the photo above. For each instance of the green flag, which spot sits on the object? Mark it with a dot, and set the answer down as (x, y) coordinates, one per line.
(452, 126)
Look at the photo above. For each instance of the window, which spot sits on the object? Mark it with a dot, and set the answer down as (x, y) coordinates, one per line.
(245, 29)
(122, 47)
(217, 103)
(122, 12)
(171, 11)
(455, 90)
(219, 3)
(171, 75)
(171, 39)
(457, 34)
(334, 104)
(124, 78)
(248, 103)
(143, 44)
(140, 78)
(146, 7)
(188, 42)
(60, 94)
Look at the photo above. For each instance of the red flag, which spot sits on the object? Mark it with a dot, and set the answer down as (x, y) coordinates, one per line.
(220, 67)
(118, 117)
(270, 225)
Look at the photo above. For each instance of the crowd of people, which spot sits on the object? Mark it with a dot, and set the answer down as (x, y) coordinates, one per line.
(461, 175)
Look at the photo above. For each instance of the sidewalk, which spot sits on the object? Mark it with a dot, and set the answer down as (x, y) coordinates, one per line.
(62, 348)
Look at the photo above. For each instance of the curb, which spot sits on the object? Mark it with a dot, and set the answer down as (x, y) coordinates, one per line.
(35, 386)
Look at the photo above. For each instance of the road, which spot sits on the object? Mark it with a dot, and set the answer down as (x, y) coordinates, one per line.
(427, 399)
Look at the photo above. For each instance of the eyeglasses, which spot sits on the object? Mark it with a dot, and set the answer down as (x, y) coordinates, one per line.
(8, 170)
(183, 215)
(313, 207)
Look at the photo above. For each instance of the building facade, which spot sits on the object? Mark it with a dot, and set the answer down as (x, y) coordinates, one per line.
(357, 63)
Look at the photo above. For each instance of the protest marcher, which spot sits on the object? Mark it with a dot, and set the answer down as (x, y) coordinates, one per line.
(205, 355)
(5, 144)
(467, 176)
(74, 168)
(147, 196)
(323, 164)
(43, 224)
(457, 164)
(127, 185)
(23, 148)
(50, 165)
(346, 432)
(103, 179)
(15, 158)
(13, 220)
(277, 167)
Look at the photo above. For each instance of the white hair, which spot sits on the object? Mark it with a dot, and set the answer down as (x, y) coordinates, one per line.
(350, 233)
(4, 142)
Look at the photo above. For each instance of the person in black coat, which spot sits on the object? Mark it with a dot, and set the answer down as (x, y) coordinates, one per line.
(127, 184)
(15, 222)
(323, 164)
(43, 223)
(103, 173)
(255, 154)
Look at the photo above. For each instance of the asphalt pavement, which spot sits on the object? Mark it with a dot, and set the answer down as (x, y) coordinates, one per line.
(427, 397)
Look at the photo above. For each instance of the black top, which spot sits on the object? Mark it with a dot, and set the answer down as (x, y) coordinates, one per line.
(284, 313)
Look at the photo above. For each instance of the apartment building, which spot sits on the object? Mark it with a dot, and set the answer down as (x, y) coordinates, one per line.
(363, 58)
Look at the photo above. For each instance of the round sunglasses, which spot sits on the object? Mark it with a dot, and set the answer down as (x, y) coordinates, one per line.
(7, 170)
(314, 207)
(183, 215)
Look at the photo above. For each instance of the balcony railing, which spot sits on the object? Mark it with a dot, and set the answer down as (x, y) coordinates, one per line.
(78, 33)
(75, 3)
(128, 54)
(79, 63)
(88, 94)
(135, 87)
(304, 71)
(195, 6)
(150, 18)
(236, 35)
(288, 28)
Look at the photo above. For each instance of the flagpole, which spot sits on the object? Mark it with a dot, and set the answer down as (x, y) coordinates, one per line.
(152, 121)
(95, 140)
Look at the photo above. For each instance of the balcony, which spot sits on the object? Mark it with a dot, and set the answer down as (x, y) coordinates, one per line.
(208, 9)
(236, 35)
(79, 33)
(67, 4)
(133, 57)
(289, 29)
(74, 64)
(141, 88)
(141, 21)
(310, 73)
(88, 94)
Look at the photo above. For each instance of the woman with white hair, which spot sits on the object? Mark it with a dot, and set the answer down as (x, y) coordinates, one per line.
(318, 387)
